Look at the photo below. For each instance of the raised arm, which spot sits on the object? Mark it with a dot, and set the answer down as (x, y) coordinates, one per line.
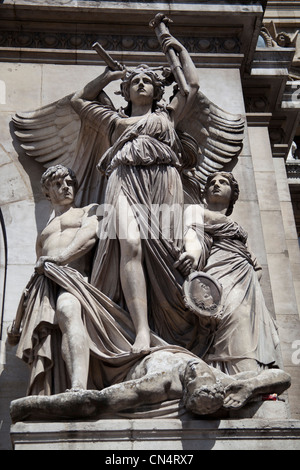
(184, 99)
(93, 88)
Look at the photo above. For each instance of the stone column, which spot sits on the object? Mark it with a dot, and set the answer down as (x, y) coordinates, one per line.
(280, 240)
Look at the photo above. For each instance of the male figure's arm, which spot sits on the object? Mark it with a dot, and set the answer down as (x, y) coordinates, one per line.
(83, 241)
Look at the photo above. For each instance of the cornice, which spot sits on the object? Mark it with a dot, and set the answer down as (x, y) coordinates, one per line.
(65, 34)
(205, 6)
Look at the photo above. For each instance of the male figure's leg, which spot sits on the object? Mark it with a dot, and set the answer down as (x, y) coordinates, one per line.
(75, 349)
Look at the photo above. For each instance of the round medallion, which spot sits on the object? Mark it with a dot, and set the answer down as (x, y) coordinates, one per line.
(203, 294)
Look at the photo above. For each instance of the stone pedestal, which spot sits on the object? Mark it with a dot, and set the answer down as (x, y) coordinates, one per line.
(158, 435)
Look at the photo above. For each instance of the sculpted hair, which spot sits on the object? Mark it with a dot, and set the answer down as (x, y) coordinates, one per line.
(55, 172)
(158, 85)
(201, 398)
(206, 399)
(235, 191)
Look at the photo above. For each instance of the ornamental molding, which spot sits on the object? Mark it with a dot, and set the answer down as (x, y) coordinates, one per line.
(113, 42)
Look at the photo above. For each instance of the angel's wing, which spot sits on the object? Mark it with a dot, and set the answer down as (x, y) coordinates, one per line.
(218, 133)
(50, 133)
(54, 134)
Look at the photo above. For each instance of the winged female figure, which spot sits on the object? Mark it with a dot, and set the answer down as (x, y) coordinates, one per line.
(147, 156)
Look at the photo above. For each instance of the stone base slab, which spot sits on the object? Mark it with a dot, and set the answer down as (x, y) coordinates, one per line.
(158, 435)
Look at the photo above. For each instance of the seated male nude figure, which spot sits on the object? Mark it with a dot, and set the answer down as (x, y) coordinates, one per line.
(68, 239)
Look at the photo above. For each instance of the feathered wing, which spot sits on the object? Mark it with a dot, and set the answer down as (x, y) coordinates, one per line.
(54, 134)
(218, 134)
(50, 133)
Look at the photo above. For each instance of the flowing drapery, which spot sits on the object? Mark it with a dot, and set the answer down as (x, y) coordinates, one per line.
(246, 329)
(109, 329)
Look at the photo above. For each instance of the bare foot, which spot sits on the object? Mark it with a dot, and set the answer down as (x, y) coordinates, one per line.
(237, 394)
(75, 390)
(142, 342)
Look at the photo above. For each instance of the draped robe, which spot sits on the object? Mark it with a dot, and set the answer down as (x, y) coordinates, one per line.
(109, 329)
(246, 329)
(144, 164)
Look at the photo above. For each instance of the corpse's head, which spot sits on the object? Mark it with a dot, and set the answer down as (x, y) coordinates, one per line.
(203, 394)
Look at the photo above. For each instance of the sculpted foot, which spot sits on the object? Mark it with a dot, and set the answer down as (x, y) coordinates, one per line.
(75, 390)
(142, 342)
(237, 395)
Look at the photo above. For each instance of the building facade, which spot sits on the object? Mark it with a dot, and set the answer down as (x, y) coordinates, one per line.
(248, 59)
